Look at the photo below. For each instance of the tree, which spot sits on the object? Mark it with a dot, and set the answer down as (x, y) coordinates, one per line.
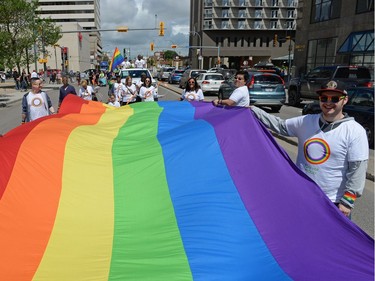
(20, 29)
(170, 55)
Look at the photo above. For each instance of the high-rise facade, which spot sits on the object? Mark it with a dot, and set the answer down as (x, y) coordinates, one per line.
(334, 32)
(242, 32)
(75, 16)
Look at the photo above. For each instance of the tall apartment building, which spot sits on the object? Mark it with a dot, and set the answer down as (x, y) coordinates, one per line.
(242, 32)
(334, 32)
(76, 15)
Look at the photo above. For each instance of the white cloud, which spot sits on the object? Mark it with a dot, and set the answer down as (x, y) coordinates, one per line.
(143, 14)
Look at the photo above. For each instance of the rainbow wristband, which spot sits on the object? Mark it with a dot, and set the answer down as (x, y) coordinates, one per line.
(348, 199)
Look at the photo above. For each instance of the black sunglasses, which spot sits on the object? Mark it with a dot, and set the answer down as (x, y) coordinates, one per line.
(334, 99)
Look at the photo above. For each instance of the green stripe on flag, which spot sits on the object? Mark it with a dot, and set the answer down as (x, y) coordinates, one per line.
(147, 244)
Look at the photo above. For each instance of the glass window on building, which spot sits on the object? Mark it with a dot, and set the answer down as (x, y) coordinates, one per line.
(274, 13)
(242, 3)
(225, 24)
(273, 24)
(259, 3)
(290, 14)
(364, 6)
(321, 52)
(242, 13)
(225, 2)
(257, 24)
(323, 10)
(275, 3)
(207, 24)
(208, 13)
(289, 24)
(225, 13)
(241, 24)
(258, 13)
(292, 3)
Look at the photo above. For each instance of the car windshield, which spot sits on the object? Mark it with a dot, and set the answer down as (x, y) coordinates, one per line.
(214, 77)
(353, 73)
(196, 73)
(168, 69)
(178, 72)
(134, 73)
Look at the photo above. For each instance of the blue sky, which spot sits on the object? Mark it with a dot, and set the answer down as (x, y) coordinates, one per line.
(136, 14)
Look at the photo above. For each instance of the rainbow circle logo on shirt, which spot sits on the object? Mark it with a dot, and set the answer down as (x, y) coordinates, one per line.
(191, 96)
(316, 151)
(36, 102)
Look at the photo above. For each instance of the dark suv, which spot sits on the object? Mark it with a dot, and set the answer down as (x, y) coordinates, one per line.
(305, 87)
(265, 89)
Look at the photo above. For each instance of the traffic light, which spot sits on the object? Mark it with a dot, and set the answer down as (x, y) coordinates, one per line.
(122, 29)
(152, 46)
(275, 40)
(173, 46)
(161, 29)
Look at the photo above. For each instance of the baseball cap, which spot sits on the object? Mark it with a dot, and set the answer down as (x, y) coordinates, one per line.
(333, 86)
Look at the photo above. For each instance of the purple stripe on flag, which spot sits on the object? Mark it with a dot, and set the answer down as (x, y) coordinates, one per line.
(304, 231)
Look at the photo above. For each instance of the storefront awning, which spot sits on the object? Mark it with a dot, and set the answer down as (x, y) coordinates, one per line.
(358, 42)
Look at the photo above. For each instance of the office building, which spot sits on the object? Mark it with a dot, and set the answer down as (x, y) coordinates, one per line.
(240, 33)
(74, 16)
(334, 32)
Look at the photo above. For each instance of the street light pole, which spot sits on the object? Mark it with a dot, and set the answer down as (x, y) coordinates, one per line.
(200, 58)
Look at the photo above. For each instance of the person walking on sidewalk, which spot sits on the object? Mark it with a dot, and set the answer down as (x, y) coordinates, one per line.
(36, 103)
(332, 147)
(16, 77)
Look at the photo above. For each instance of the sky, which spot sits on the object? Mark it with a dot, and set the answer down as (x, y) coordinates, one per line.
(138, 14)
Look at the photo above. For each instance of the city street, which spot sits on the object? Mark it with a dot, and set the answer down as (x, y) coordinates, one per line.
(363, 216)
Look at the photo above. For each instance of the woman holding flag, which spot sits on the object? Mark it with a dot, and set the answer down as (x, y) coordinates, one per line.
(147, 91)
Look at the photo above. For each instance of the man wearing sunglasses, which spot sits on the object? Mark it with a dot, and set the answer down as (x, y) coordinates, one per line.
(240, 96)
(332, 147)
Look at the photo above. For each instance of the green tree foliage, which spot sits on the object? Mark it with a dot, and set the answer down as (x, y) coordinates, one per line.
(170, 55)
(20, 29)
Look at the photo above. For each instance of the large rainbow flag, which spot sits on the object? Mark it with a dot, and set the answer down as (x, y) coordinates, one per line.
(116, 60)
(165, 191)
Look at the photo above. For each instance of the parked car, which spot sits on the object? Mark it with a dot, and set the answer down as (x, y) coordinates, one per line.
(175, 76)
(188, 74)
(164, 73)
(360, 106)
(265, 89)
(305, 87)
(210, 82)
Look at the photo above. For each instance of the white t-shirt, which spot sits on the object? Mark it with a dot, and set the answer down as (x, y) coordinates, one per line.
(140, 63)
(147, 94)
(118, 90)
(128, 92)
(115, 104)
(241, 96)
(193, 95)
(86, 94)
(37, 106)
(324, 156)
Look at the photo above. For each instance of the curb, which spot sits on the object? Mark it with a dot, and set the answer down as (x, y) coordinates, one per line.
(369, 176)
